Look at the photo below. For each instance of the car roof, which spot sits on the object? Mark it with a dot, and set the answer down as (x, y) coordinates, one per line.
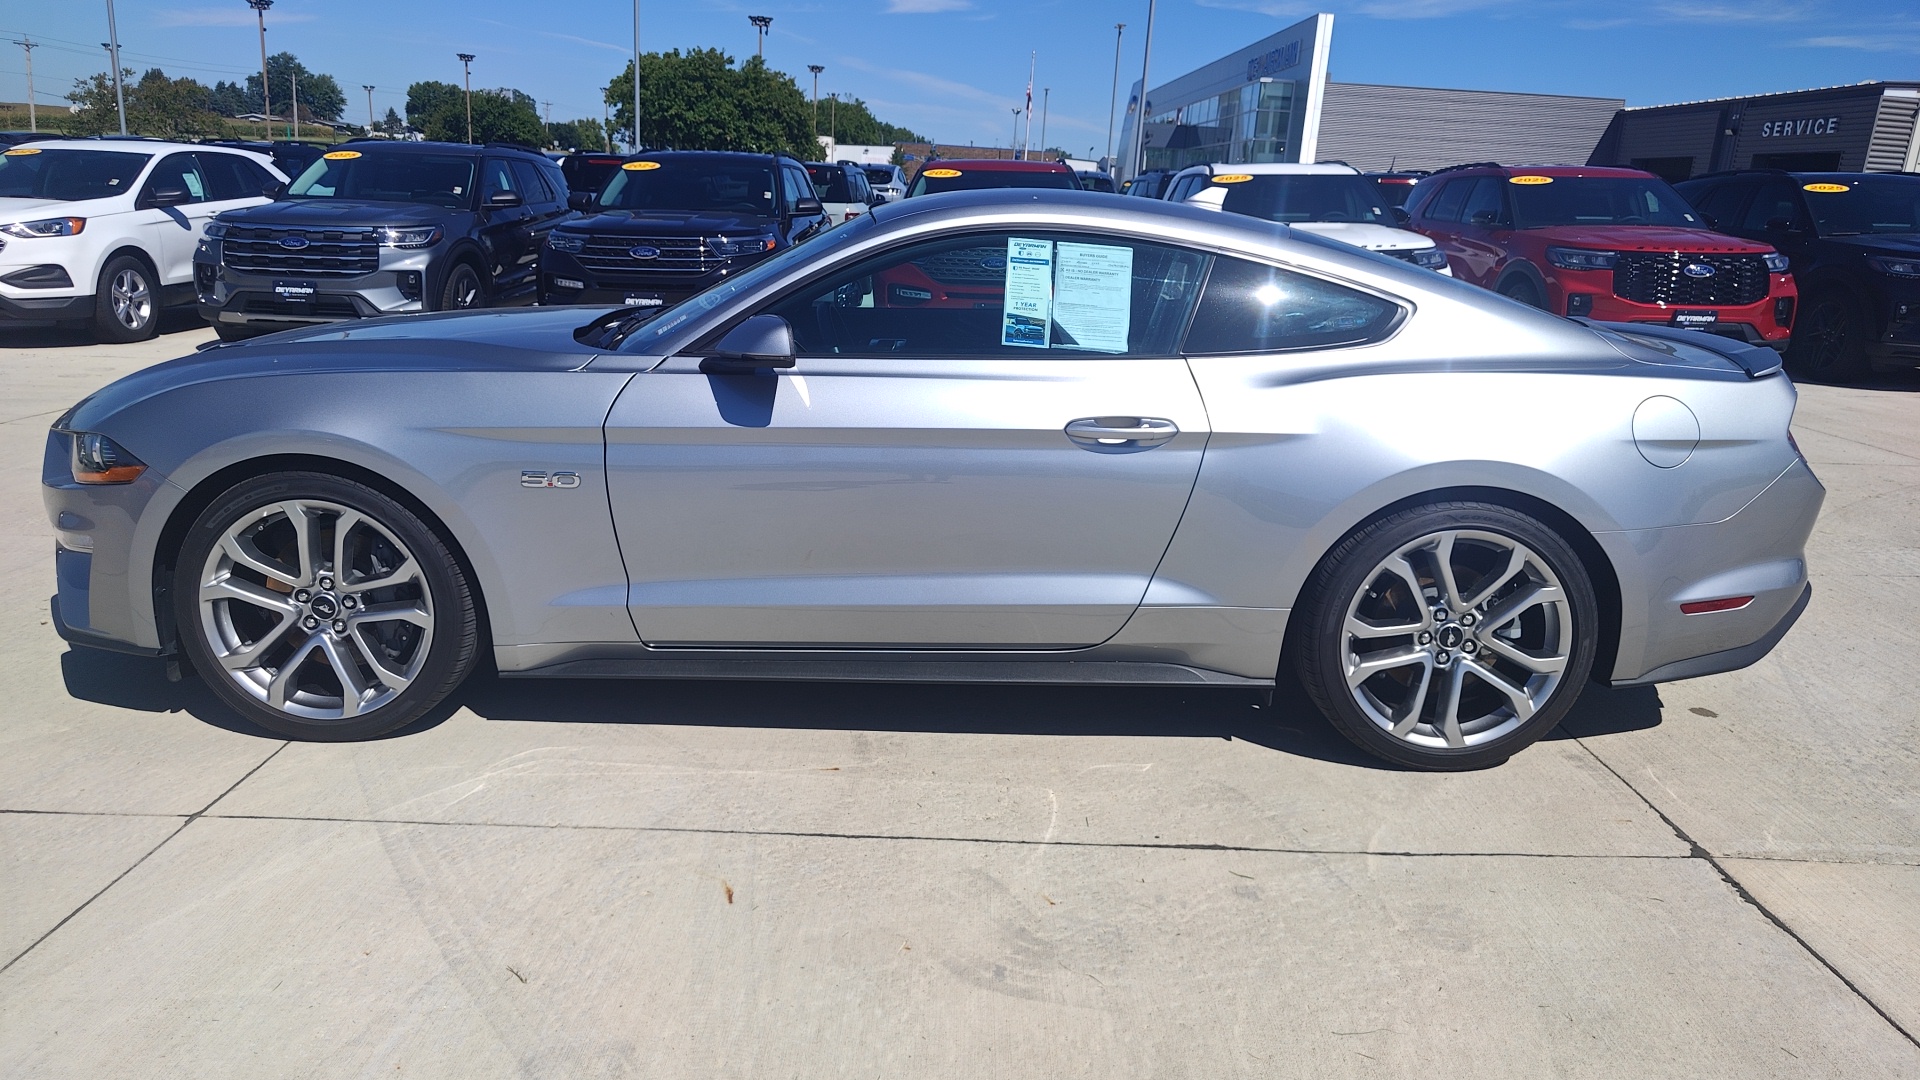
(1569, 171)
(998, 165)
(735, 155)
(148, 146)
(1797, 174)
(1277, 168)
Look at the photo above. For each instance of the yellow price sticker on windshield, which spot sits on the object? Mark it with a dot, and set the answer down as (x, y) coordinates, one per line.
(1530, 180)
(941, 174)
(641, 166)
(1232, 178)
(341, 155)
(1825, 187)
(22, 151)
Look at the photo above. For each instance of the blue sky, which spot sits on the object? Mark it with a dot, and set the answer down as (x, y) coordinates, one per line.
(953, 69)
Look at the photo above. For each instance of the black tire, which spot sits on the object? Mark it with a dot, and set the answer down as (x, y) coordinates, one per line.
(1351, 577)
(1829, 340)
(229, 332)
(126, 301)
(437, 666)
(463, 290)
(1521, 289)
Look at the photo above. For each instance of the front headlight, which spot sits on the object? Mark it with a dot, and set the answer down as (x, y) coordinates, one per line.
(99, 460)
(726, 247)
(1432, 258)
(1777, 263)
(58, 226)
(1581, 258)
(215, 230)
(568, 242)
(408, 238)
(1887, 264)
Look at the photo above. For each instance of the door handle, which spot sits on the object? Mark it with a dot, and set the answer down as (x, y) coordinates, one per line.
(1121, 432)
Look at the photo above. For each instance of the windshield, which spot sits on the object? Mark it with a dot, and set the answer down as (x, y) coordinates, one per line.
(695, 185)
(1867, 204)
(964, 179)
(671, 319)
(434, 179)
(28, 172)
(830, 183)
(588, 174)
(1337, 197)
(1597, 200)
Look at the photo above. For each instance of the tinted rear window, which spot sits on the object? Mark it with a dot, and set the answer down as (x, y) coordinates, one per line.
(977, 179)
(1249, 308)
(830, 183)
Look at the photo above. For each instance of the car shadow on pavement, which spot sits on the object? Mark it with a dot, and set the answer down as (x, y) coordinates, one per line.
(51, 336)
(1290, 724)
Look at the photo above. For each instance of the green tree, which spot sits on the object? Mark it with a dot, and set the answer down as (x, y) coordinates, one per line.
(582, 134)
(156, 105)
(230, 99)
(439, 110)
(699, 101)
(391, 124)
(320, 95)
(850, 121)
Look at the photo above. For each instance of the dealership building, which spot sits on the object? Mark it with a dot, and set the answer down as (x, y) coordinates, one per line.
(1272, 101)
(1869, 127)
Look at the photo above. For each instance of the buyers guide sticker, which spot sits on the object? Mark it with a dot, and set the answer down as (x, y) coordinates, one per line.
(1093, 295)
(1027, 315)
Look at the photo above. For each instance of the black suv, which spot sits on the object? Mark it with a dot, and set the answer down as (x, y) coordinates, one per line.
(1854, 243)
(382, 228)
(672, 223)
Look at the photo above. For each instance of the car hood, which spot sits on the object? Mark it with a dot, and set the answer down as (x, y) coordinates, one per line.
(1647, 238)
(30, 209)
(515, 339)
(1881, 243)
(1370, 237)
(333, 213)
(671, 223)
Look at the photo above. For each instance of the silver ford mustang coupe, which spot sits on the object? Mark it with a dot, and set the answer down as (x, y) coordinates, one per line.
(1023, 436)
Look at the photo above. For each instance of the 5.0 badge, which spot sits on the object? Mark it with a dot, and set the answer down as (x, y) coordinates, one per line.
(532, 479)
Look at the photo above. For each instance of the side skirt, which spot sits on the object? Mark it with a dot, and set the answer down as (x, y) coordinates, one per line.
(1107, 672)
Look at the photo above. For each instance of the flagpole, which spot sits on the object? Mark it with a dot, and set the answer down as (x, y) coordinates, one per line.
(1026, 145)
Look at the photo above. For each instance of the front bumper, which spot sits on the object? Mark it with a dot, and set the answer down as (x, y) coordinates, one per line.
(1899, 342)
(240, 298)
(1758, 323)
(564, 280)
(103, 600)
(45, 308)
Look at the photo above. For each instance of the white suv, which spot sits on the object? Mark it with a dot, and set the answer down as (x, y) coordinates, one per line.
(1333, 201)
(102, 231)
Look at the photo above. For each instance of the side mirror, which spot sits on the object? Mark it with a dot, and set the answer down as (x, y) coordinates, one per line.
(1486, 219)
(876, 199)
(808, 208)
(760, 343)
(583, 201)
(168, 196)
(504, 200)
(273, 190)
(1401, 217)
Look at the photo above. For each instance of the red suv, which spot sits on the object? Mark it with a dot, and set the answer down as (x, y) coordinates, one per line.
(1616, 245)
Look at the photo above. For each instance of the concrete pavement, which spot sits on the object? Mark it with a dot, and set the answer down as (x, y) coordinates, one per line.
(580, 879)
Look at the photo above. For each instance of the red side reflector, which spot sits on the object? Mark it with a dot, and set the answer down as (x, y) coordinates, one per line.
(1702, 607)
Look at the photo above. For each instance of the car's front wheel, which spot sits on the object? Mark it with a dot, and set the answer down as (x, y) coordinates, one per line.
(126, 302)
(320, 608)
(1447, 636)
(463, 289)
(1830, 338)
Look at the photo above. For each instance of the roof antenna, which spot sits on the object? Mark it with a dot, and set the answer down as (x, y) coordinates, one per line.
(1392, 161)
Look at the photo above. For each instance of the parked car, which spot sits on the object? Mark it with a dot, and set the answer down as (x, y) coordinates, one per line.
(382, 228)
(782, 479)
(887, 180)
(842, 190)
(1853, 240)
(673, 223)
(1333, 201)
(1617, 245)
(1395, 186)
(587, 173)
(1095, 180)
(969, 175)
(15, 138)
(1151, 184)
(103, 233)
(289, 156)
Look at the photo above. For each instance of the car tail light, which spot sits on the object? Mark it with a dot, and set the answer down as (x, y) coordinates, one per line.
(1705, 607)
(1783, 311)
(850, 215)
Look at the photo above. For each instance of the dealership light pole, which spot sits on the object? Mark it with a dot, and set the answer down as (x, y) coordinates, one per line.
(466, 63)
(1046, 96)
(113, 51)
(33, 122)
(636, 77)
(816, 69)
(294, 74)
(266, 94)
(1016, 133)
(1138, 151)
(1113, 98)
(369, 89)
(760, 23)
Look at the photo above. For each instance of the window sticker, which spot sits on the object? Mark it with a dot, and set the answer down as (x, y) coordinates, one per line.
(1232, 178)
(641, 166)
(23, 151)
(1027, 312)
(942, 174)
(1093, 296)
(1829, 189)
(1529, 180)
(194, 187)
(341, 155)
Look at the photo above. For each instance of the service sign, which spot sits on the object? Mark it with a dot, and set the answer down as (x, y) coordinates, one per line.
(1823, 125)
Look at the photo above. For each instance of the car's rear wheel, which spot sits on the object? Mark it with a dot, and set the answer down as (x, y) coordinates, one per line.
(1830, 338)
(322, 609)
(463, 289)
(1447, 636)
(126, 301)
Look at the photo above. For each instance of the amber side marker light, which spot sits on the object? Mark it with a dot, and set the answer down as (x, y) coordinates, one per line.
(1703, 607)
(99, 460)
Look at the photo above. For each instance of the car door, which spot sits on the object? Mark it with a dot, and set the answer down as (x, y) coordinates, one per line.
(181, 223)
(1480, 236)
(547, 210)
(797, 186)
(1777, 216)
(985, 442)
(1439, 219)
(506, 231)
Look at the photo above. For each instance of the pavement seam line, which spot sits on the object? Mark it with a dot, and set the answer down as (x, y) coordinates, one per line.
(1739, 890)
(1009, 841)
(191, 818)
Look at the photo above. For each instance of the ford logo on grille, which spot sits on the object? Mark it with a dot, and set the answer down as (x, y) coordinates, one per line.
(293, 243)
(994, 262)
(644, 252)
(1697, 270)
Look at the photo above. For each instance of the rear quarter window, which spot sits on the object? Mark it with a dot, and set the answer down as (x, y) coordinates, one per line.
(1250, 308)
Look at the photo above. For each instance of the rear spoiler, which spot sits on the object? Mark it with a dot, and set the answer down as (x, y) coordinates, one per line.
(1756, 360)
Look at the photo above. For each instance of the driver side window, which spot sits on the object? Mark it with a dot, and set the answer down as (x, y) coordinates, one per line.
(1774, 202)
(179, 171)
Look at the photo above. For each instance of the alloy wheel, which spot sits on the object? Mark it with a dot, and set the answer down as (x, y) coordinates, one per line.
(132, 300)
(1456, 639)
(315, 609)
